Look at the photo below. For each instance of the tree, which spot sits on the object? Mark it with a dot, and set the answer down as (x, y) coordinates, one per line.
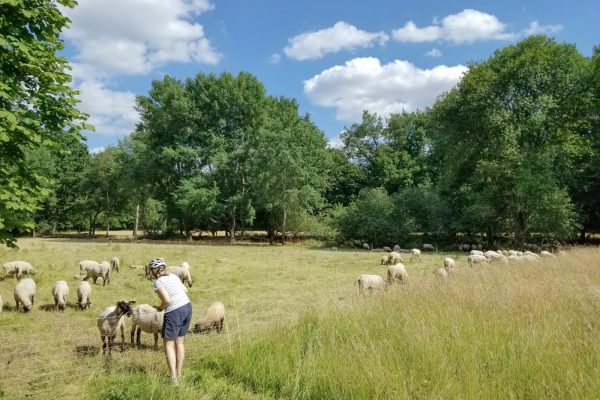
(37, 104)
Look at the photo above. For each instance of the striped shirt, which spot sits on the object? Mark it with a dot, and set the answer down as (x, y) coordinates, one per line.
(175, 290)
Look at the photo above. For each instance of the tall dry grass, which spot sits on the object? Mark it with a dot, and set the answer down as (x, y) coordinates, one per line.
(296, 328)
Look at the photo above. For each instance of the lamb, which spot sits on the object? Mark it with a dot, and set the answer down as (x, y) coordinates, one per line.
(112, 319)
(148, 319)
(25, 294)
(16, 268)
(476, 259)
(370, 282)
(84, 292)
(427, 246)
(60, 291)
(394, 258)
(416, 253)
(384, 259)
(182, 273)
(115, 263)
(101, 270)
(397, 273)
(215, 315)
(86, 265)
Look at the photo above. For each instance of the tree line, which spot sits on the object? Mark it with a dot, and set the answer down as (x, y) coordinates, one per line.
(511, 154)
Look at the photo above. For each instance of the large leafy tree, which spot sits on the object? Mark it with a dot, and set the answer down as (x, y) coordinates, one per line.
(37, 104)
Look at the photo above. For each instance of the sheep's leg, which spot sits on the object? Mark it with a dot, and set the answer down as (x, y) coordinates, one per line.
(138, 338)
(122, 337)
(103, 338)
(132, 333)
(220, 325)
(155, 341)
(111, 339)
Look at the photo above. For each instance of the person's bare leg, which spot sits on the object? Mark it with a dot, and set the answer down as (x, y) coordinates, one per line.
(170, 356)
(180, 351)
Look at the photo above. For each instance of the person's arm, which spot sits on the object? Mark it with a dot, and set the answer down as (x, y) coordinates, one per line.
(164, 298)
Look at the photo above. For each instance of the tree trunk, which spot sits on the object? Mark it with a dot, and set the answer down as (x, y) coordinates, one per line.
(137, 220)
(270, 235)
(284, 227)
(107, 228)
(232, 215)
(521, 228)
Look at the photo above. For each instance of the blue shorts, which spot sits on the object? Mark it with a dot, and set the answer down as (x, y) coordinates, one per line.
(177, 322)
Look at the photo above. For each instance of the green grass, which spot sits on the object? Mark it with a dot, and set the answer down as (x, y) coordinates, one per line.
(296, 328)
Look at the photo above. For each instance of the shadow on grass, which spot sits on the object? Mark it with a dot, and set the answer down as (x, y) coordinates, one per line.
(86, 351)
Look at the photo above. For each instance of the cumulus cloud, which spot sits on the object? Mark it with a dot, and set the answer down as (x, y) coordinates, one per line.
(466, 26)
(342, 36)
(434, 53)
(275, 58)
(535, 28)
(366, 84)
(115, 39)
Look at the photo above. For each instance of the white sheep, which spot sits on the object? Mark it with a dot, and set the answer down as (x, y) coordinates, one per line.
(111, 320)
(397, 273)
(370, 282)
(416, 253)
(449, 263)
(182, 273)
(476, 259)
(547, 254)
(384, 259)
(491, 254)
(477, 253)
(145, 318)
(115, 263)
(427, 246)
(101, 270)
(185, 265)
(441, 273)
(60, 291)
(394, 258)
(16, 268)
(25, 294)
(387, 249)
(86, 265)
(215, 316)
(84, 293)
(366, 246)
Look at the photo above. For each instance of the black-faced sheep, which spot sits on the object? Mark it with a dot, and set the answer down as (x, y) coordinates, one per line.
(145, 318)
(111, 320)
(86, 265)
(101, 270)
(215, 316)
(60, 291)
(25, 294)
(18, 268)
(84, 293)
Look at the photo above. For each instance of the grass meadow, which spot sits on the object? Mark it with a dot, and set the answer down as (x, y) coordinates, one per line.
(296, 327)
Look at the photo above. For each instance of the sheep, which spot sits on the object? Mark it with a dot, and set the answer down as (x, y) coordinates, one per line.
(111, 320)
(215, 315)
(397, 273)
(427, 246)
(384, 259)
(394, 258)
(499, 258)
(476, 259)
(397, 247)
(115, 263)
(449, 263)
(185, 265)
(491, 254)
(86, 265)
(101, 270)
(366, 246)
(387, 249)
(477, 253)
(441, 273)
(84, 292)
(148, 319)
(416, 253)
(25, 294)
(16, 268)
(370, 282)
(60, 291)
(547, 254)
(182, 273)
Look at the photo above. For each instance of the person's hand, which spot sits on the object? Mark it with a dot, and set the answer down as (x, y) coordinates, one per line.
(157, 308)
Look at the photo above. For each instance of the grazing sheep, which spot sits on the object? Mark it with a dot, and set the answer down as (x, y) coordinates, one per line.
(25, 294)
(370, 282)
(366, 246)
(449, 263)
(476, 259)
(115, 263)
(60, 291)
(86, 265)
(397, 274)
(394, 258)
(215, 315)
(16, 268)
(416, 253)
(145, 318)
(84, 293)
(397, 247)
(441, 273)
(182, 273)
(112, 319)
(384, 259)
(477, 253)
(491, 254)
(562, 253)
(386, 249)
(101, 270)
(185, 265)
(547, 254)
(427, 246)
(499, 258)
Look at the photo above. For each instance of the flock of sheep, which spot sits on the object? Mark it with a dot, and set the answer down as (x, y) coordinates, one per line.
(396, 271)
(144, 317)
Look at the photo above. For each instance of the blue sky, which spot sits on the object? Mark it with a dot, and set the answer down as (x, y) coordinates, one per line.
(335, 58)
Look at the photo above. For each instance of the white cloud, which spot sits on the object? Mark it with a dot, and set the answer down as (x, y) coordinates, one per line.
(535, 28)
(342, 36)
(97, 150)
(434, 53)
(275, 58)
(365, 84)
(114, 38)
(466, 26)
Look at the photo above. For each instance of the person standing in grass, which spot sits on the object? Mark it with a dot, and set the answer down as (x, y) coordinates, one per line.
(178, 315)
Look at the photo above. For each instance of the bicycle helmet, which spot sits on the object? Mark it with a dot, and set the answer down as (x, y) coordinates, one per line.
(159, 263)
